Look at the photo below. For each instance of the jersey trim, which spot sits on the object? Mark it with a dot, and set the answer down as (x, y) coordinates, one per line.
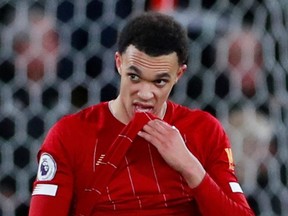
(235, 187)
(45, 189)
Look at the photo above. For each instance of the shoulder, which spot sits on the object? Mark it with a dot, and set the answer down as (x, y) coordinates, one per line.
(89, 114)
(194, 117)
(74, 127)
(203, 133)
(81, 119)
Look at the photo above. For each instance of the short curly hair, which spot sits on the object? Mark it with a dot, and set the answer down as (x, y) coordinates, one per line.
(155, 34)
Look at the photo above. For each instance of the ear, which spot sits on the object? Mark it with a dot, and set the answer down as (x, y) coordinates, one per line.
(118, 61)
(181, 71)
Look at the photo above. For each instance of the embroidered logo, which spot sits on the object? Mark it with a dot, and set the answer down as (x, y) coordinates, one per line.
(230, 158)
(47, 168)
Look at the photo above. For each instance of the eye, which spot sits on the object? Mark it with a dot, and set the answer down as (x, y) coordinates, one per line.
(160, 82)
(134, 77)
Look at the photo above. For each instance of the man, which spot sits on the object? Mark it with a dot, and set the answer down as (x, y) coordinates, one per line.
(140, 154)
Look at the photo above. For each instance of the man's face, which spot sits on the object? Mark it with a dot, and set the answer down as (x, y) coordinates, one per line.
(146, 81)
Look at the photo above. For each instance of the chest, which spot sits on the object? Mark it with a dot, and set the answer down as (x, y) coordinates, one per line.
(141, 169)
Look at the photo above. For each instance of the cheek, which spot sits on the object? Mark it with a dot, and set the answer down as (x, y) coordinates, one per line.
(127, 88)
(169, 87)
(163, 93)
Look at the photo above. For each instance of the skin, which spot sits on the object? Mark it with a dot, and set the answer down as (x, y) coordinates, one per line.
(146, 82)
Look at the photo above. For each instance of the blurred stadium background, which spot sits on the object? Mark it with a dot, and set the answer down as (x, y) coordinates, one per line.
(58, 56)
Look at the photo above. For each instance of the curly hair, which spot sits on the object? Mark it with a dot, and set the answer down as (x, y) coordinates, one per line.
(155, 34)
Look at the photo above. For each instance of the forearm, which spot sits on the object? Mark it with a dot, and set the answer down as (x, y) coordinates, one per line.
(192, 171)
(212, 200)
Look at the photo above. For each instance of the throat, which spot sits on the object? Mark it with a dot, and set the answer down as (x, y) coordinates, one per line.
(163, 111)
(117, 112)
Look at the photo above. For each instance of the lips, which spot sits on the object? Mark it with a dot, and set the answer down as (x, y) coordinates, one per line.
(143, 108)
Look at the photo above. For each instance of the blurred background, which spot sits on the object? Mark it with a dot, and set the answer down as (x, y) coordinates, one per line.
(58, 56)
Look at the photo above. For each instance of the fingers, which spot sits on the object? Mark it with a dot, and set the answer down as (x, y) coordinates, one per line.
(158, 126)
(157, 132)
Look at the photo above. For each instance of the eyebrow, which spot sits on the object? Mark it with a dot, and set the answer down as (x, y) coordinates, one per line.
(158, 76)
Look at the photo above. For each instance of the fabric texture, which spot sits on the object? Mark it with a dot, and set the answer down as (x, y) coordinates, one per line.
(104, 168)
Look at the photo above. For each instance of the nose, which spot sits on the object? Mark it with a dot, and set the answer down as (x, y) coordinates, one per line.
(145, 92)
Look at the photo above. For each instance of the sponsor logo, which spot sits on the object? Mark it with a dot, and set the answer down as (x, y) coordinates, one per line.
(47, 168)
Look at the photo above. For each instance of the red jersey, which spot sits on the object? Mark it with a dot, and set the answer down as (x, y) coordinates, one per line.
(142, 182)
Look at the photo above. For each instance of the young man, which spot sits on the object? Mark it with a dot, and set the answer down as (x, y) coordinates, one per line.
(140, 154)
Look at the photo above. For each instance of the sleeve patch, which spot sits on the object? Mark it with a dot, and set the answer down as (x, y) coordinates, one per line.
(235, 187)
(47, 168)
(45, 189)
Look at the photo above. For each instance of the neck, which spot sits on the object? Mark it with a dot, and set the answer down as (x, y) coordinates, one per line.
(118, 112)
(163, 110)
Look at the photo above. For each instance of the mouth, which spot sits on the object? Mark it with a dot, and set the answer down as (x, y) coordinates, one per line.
(143, 108)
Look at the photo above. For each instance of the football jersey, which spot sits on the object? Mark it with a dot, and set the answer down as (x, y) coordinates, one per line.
(72, 177)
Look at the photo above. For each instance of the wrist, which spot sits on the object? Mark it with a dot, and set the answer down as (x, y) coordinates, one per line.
(194, 174)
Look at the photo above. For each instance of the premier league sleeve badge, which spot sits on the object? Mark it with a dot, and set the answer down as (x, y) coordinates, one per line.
(47, 167)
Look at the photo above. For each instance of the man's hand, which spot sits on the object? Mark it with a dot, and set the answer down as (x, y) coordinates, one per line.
(170, 144)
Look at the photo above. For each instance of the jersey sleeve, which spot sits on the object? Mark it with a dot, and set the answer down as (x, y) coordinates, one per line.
(219, 194)
(52, 189)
